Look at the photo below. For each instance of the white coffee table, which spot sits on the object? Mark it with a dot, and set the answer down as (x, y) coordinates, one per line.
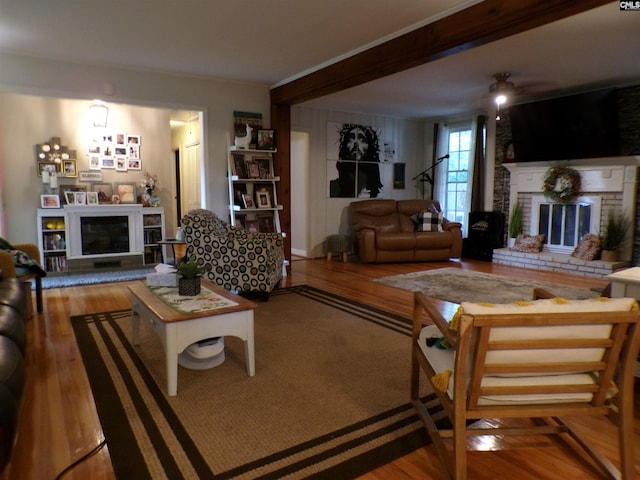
(179, 330)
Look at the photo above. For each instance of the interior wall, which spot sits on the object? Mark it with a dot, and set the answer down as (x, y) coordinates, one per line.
(28, 120)
(217, 99)
(328, 216)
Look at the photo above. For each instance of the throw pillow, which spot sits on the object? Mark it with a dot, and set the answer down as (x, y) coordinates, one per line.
(588, 248)
(23, 260)
(429, 222)
(528, 243)
(434, 209)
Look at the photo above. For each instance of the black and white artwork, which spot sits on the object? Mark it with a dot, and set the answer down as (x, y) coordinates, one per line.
(356, 172)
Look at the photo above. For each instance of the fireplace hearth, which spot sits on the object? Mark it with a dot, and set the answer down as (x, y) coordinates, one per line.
(105, 237)
(607, 184)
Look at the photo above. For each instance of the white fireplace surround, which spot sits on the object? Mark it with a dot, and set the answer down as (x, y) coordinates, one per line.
(74, 240)
(611, 182)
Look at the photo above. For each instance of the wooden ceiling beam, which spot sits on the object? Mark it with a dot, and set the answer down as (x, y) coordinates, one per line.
(477, 25)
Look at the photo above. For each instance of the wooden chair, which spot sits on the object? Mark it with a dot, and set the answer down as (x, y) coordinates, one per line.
(542, 359)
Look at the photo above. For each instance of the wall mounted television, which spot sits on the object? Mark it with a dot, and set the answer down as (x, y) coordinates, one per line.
(566, 128)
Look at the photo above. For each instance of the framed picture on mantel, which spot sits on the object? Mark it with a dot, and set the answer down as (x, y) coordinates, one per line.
(126, 192)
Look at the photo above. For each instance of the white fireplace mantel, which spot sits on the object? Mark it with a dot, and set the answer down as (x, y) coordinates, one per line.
(598, 176)
(132, 211)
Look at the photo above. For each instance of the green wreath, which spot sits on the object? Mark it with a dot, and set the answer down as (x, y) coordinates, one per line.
(562, 184)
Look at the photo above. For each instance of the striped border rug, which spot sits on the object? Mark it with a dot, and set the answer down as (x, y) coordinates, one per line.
(330, 399)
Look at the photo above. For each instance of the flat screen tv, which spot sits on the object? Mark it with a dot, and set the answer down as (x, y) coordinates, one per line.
(566, 128)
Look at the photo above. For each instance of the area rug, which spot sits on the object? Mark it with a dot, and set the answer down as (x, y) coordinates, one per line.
(456, 285)
(92, 278)
(330, 398)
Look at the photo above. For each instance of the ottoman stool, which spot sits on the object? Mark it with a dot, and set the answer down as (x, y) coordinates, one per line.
(339, 244)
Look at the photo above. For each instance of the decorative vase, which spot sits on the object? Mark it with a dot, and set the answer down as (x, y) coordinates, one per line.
(609, 255)
(154, 201)
(511, 241)
(189, 287)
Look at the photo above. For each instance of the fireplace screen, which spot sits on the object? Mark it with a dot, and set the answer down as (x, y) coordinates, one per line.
(564, 224)
(102, 235)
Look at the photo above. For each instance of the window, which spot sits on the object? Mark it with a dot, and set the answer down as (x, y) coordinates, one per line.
(454, 176)
(455, 200)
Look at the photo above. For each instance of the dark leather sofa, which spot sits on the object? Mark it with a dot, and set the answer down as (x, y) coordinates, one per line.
(385, 232)
(13, 313)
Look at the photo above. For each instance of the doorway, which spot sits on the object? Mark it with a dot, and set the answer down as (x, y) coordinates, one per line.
(190, 173)
(186, 132)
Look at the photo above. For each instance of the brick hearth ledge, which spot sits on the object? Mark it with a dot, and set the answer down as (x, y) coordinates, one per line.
(557, 262)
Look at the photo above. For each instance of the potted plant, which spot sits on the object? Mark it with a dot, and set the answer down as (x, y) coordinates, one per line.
(615, 232)
(189, 280)
(515, 223)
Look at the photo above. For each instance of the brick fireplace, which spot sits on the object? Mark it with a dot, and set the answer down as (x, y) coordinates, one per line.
(607, 184)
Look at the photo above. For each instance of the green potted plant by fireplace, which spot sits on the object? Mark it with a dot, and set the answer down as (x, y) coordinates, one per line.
(189, 278)
(515, 223)
(614, 235)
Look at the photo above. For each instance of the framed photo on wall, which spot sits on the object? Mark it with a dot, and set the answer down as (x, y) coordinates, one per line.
(49, 167)
(134, 164)
(121, 164)
(70, 168)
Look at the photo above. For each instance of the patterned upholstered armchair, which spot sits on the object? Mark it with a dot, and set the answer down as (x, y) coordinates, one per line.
(233, 258)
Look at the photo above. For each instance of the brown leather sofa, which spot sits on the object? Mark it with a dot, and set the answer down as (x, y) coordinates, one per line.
(385, 233)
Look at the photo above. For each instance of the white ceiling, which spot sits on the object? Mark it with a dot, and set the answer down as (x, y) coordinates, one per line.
(271, 42)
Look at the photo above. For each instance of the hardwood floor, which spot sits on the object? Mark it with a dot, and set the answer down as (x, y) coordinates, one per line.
(59, 423)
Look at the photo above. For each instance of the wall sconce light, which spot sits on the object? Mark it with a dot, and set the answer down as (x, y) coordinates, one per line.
(99, 113)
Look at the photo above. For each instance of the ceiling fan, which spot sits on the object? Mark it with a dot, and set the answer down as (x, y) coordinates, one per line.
(503, 91)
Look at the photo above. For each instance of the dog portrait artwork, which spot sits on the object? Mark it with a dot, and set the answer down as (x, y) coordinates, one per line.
(358, 164)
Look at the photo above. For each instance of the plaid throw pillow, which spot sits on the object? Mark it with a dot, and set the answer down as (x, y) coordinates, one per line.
(430, 222)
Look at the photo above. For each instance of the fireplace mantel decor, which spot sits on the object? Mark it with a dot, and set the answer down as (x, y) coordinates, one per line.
(606, 184)
(567, 179)
(100, 236)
